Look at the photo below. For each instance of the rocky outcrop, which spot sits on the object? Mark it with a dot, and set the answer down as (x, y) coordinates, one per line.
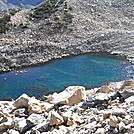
(99, 110)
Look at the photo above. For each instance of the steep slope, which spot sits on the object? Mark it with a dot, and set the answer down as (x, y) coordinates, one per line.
(59, 28)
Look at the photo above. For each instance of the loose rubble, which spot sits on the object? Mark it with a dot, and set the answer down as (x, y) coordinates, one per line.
(107, 109)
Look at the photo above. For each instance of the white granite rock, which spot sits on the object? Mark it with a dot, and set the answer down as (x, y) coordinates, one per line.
(70, 96)
(113, 121)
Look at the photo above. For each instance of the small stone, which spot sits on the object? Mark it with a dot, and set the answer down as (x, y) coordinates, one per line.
(100, 131)
(121, 126)
(13, 132)
(127, 83)
(55, 118)
(3, 119)
(6, 125)
(70, 122)
(113, 121)
(20, 125)
(44, 127)
(105, 89)
(20, 112)
(130, 100)
(131, 109)
(118, 112)
(106, 114)
(34, 119)
(127, 117)
(127, 93)
(35, 108)
(101, 96)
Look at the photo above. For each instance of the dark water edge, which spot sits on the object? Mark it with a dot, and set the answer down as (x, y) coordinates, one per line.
(45, 83)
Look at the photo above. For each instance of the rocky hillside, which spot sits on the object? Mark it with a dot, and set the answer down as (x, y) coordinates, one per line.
(58, 28)
(105, 110)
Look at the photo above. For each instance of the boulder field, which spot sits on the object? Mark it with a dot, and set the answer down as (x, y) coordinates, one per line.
(107, 109)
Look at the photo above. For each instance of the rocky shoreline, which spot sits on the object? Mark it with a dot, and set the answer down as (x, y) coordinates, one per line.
(107, 109)
(93, 26)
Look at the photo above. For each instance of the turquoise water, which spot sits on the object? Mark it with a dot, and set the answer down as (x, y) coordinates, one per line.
(55, 76)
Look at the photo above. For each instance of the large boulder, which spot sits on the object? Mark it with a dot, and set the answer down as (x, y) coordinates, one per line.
(32, 104)
(70, 96)
(127, 93)
(22, 101)
(105, 89)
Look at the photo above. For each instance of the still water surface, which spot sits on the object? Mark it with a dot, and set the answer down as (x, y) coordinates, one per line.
(87, 70)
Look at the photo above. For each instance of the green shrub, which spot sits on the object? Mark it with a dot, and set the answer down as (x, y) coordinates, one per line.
(68, 17)
(49, 8)
(46, 9)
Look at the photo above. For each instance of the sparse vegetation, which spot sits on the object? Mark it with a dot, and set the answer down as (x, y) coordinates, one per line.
(67, 17)
(4, 26)
(59, 11)
(14, 11)
(45, 10)
(4, 20)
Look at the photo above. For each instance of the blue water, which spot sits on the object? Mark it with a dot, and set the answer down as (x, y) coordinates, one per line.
(86, 70)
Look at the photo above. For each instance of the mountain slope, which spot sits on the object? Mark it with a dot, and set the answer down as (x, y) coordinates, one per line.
(59, 28)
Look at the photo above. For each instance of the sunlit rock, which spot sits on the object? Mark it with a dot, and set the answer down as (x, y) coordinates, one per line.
(70, 96)
(118, 112)
(21, 125)
(105, 89)
(35, 107)
(127, 93)
(121, 126)
(22, 101)
(12, 131)
(55, 119)
(113, 121)
(6, 125)
(21, 112)
(130, 100)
